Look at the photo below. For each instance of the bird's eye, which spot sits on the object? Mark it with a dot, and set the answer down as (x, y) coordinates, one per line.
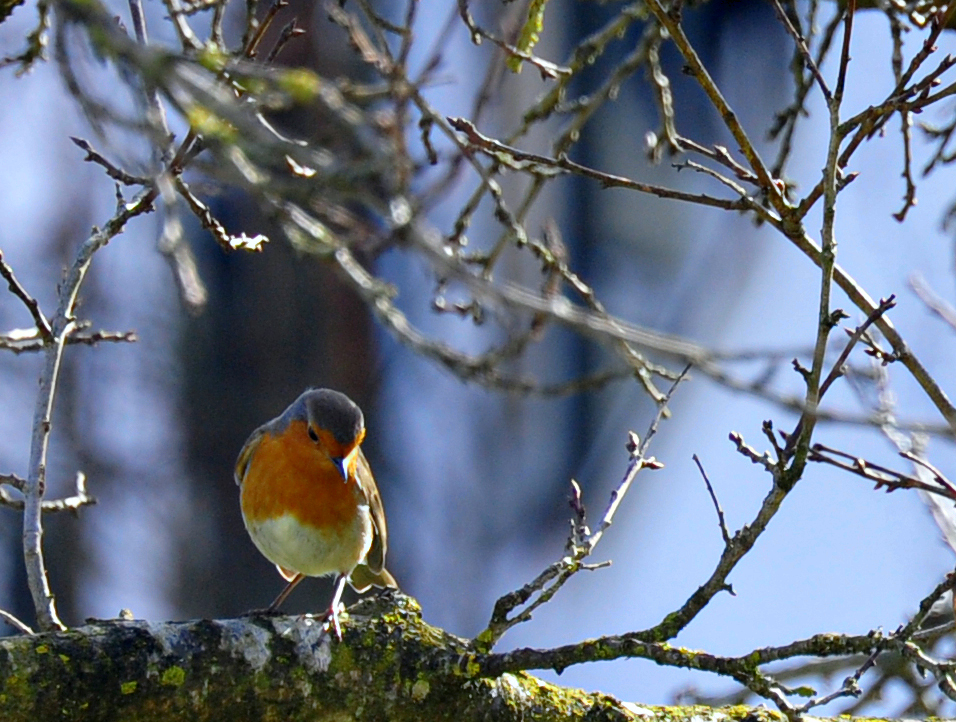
(312, 435)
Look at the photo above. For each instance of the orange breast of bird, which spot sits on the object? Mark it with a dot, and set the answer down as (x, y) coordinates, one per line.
(300, 512)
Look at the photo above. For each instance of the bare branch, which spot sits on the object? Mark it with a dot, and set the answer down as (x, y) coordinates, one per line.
(724, 532)
(933, 301)
(837, 98)
(697, 70)
(29, 340)
(15, 623)
(883, 476)
(837, 370)
(113, 171)
(43, 326)
(539, 164)
(71, 503)
(580, 544)
(801, 44)
(62, 326)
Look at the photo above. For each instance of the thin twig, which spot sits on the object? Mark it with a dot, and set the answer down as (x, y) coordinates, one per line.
(880, 475)
(798, 442)
(801, 44)
(724, 532)
(933, 301)
(62, 325)
(546, 68)
(696, 68)
(540, 164)
(71, 503)
(837, 371)
(30, 340)
(178, 15)
(15, 623)
(639, 461)
(252, 47)
(113, 171)
(844, 54)
(43, 326)
(862, 300)
(155, 111)
(290, 31)
(581, 542)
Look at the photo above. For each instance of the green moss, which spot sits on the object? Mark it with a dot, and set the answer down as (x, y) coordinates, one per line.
(19, 688)
(173, 677)
(483, 641)
(669, 624)
(261, 682)
(386, 665)
(420, 690)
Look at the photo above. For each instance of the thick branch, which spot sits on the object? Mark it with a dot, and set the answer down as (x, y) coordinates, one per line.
(391, 665)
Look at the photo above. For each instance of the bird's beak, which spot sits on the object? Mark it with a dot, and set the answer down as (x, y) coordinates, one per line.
(344, 464)
(341, 467)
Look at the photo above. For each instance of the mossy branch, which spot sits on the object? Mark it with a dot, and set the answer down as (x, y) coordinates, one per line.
(391, 665)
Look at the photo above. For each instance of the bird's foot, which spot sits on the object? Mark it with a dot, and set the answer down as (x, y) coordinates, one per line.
(332, 620)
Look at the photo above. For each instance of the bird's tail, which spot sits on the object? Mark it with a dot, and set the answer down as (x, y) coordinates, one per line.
(362, 578)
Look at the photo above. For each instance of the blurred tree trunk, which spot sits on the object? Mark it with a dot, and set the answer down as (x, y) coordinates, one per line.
(237, 379)
(275, 324)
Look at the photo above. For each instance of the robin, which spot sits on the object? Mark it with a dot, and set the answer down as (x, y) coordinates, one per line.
(309, 500)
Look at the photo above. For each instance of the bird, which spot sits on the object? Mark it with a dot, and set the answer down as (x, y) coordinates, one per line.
(309, 500)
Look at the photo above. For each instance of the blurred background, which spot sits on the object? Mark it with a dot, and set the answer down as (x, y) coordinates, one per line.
(475, 482)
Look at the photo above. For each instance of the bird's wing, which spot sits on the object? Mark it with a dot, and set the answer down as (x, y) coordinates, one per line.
(376, 554)
(247, 452)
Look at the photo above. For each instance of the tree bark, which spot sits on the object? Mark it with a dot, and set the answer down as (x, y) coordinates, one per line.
(391, 665)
